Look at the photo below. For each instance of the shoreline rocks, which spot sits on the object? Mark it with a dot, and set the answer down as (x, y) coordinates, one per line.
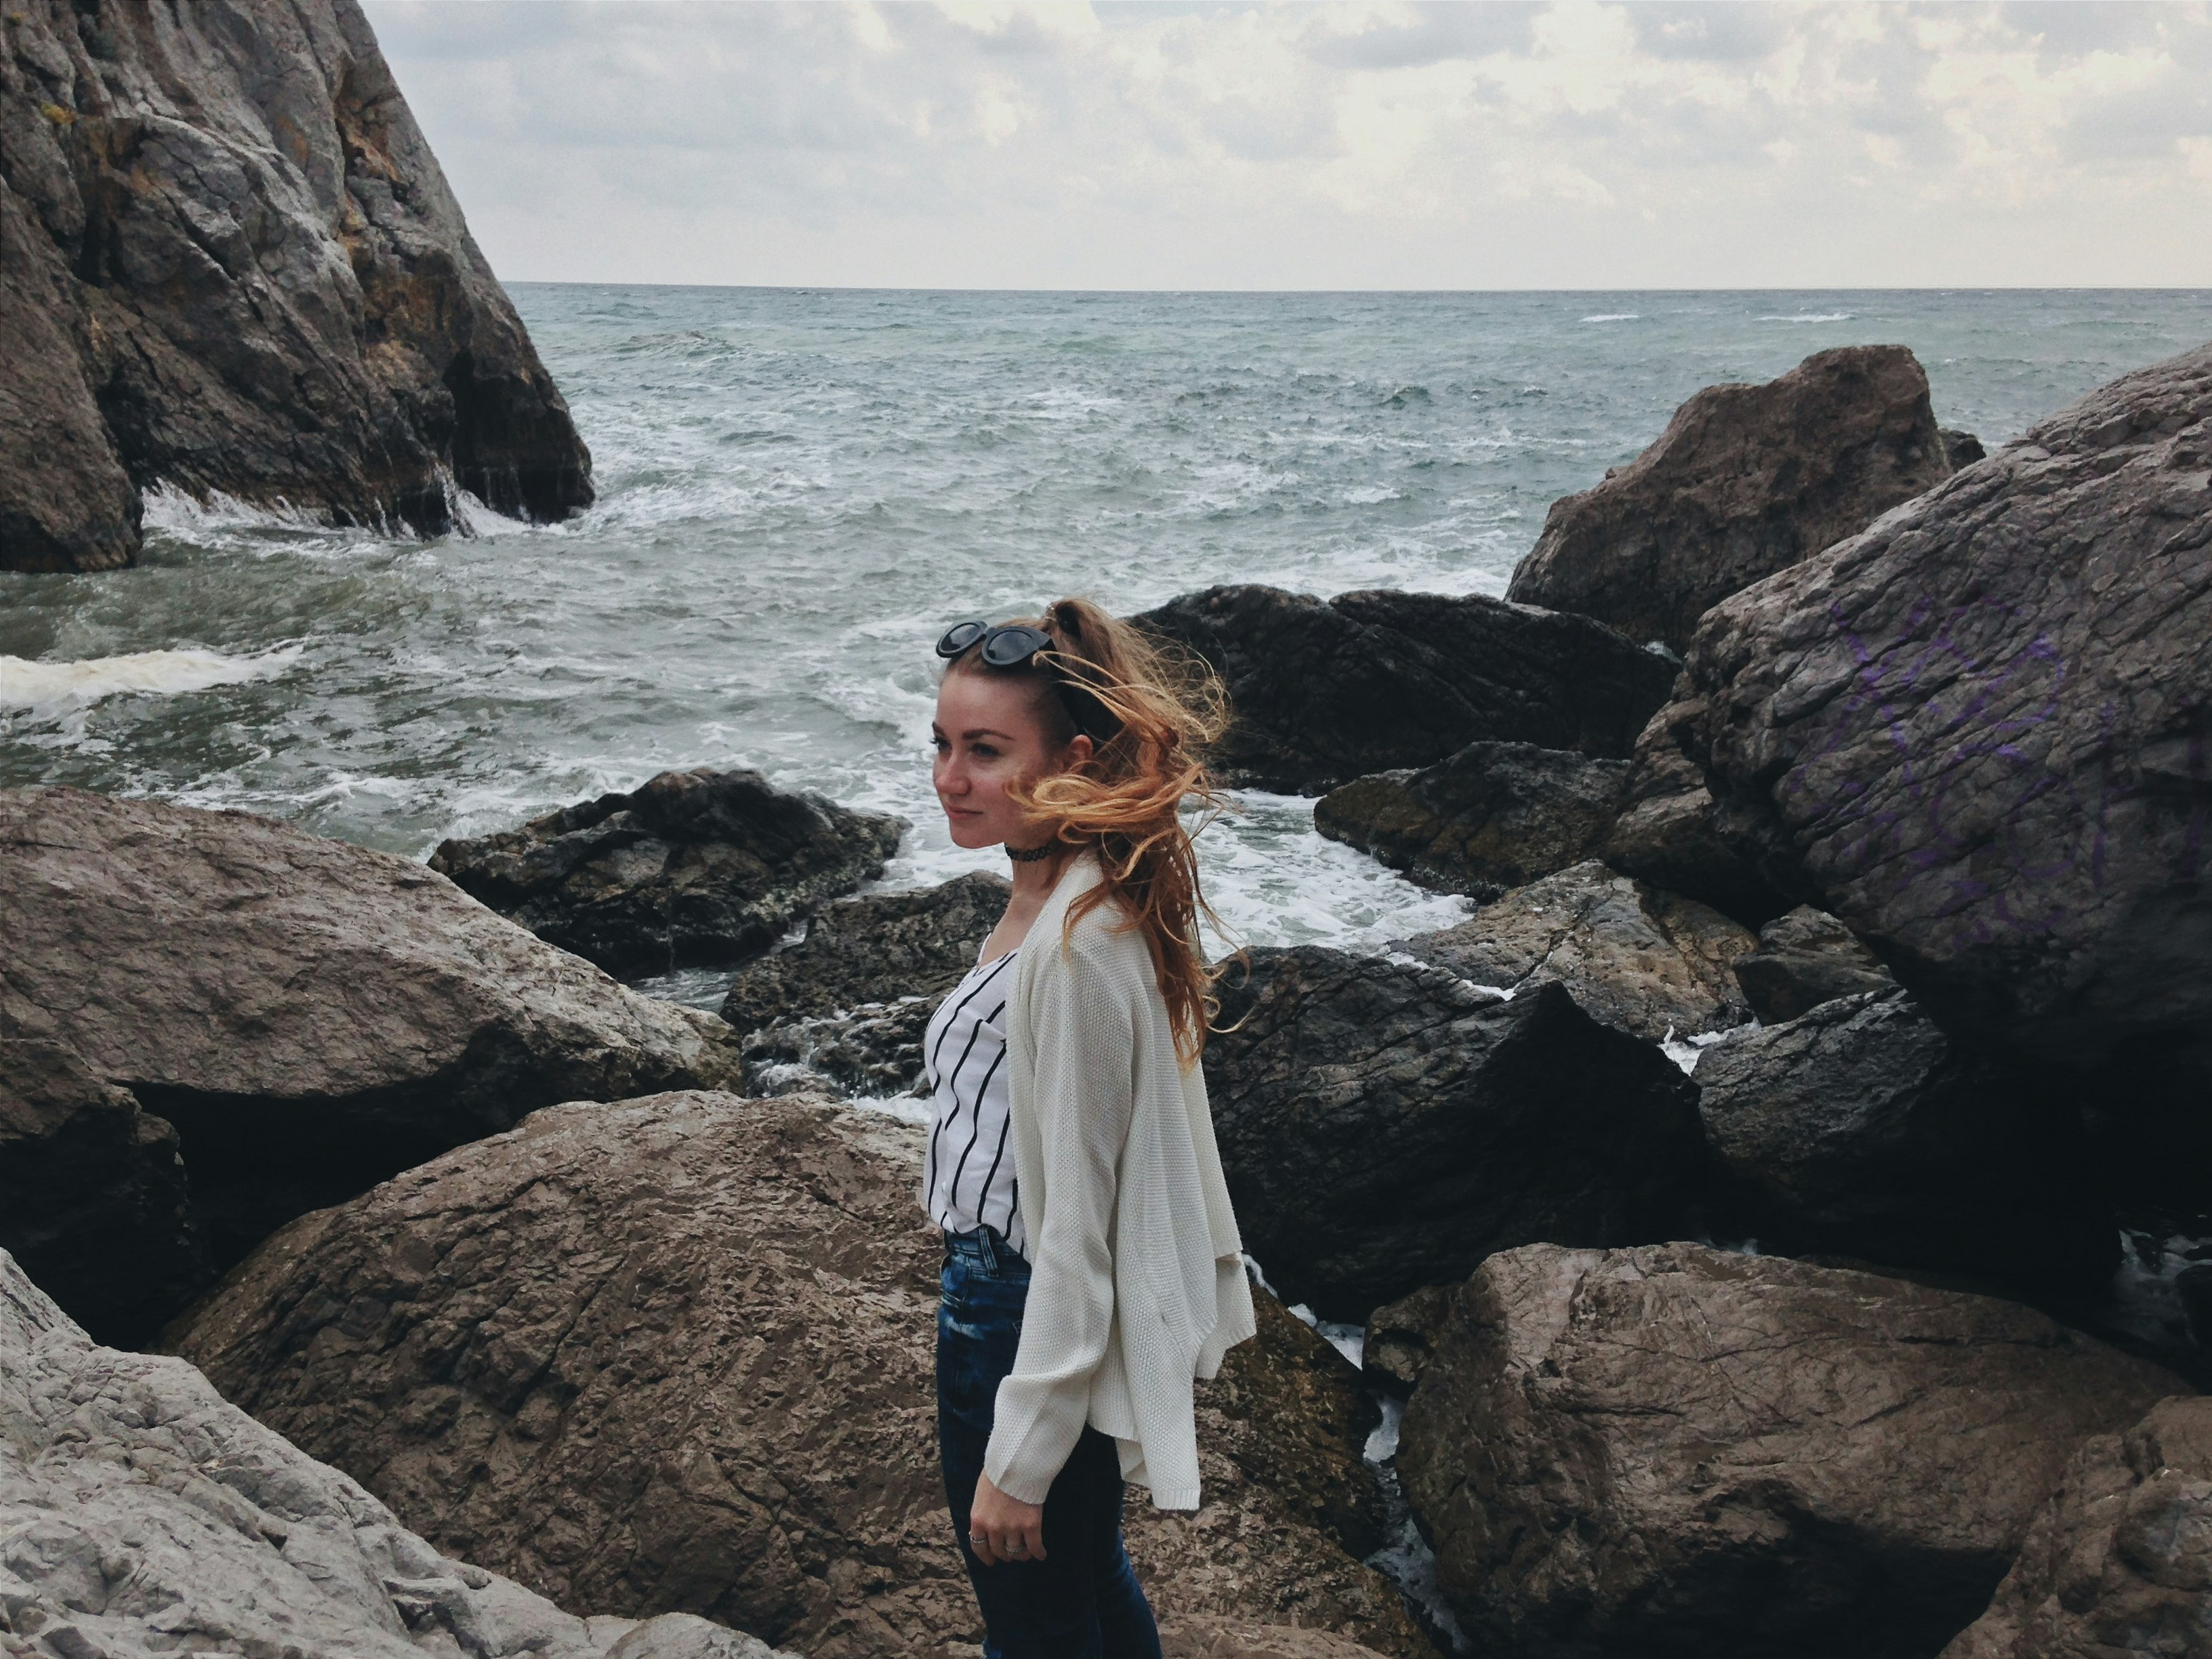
(1806, 959)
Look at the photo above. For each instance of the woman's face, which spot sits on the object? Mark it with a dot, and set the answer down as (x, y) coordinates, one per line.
(988, 737)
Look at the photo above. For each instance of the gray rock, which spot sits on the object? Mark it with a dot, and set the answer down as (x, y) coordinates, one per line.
(691, 869)
(310, 1017)
(1493, 816)
(229, 262)
(1672, 1451)
(675, 1355)
(1666, 832)
(1806, 959)
(1977, 734)
(1646, 961)
(143, 1515)
(1746, 480)
(1385, 1125)
(2120, 1560)
(1859, 1130)
(874, 1050)
(1961, 448)
(1328, 691)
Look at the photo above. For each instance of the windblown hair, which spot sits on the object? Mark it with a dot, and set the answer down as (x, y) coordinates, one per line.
(1149, 710)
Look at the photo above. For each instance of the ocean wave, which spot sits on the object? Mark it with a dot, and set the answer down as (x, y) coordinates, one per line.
(1812, 316)
(1615, 317)
(44, 691)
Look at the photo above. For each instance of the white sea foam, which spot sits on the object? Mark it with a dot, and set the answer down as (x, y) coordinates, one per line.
(1615, 317)
(39, 691)
(1812, 316)
(1686, 1052)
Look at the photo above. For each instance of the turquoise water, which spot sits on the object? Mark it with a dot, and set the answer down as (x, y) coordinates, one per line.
(799, 489)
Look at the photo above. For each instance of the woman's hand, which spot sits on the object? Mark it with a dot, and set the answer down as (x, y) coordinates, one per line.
(1003, 1529)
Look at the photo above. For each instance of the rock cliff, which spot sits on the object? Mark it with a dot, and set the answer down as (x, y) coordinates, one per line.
(229, 262)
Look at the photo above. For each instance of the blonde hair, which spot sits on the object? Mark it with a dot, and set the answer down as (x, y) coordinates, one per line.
(1150, 711)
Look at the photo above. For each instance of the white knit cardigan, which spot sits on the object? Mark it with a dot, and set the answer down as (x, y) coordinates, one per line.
(1137, 1281)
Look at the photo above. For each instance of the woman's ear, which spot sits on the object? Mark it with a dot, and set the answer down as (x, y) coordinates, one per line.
(1079, 751)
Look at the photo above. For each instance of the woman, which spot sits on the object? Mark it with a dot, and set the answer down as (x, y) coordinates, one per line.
(1093, 1266)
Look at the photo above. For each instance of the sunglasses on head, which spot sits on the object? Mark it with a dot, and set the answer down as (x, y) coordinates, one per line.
(1009, 645)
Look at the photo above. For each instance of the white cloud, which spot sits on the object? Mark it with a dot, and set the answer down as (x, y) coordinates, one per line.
(1572, 143)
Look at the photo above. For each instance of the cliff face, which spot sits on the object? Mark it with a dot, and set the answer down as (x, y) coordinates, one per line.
(229, 261)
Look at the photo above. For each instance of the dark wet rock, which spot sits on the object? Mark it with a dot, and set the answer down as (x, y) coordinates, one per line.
(1401, 1337)
(1328, 691)
(1646, 961)
(1961, 448)
(874, 948)
(1666, 834)
(1806, 959)
(1978, 735)
(229, 262)
(675, 1354)
(311, 1016)
(146, 1516)
(1676, 1451)
(875, 1049)
(1859, 1130)
(1222, 1638)
(2120, 1560)
(1493, 816)
(691, 869)
(1385, 1124)
(1746, 480)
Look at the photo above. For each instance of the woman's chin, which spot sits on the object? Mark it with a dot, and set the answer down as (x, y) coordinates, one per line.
(972, 835)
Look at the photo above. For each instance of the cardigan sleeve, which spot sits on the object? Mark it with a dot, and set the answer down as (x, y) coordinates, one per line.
(1084, 1097)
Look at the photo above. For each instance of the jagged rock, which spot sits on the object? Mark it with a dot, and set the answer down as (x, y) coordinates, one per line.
(1806, 959)
(675, 1354)
(1961, 448)
(875, 948)
(1977, 735)
(1493, 816)
(142, 1515)
(229, 262)
(691, 869)
(1745, 480)
(1859, 1130)
(1647, 962)
(1385, 1124)
(311, 1016)
(1328, 691)
(1673, 1450)
(1401, 1336)
(2120, 1560)
(874, 1050)
(1218, 1638)
(1666, 835)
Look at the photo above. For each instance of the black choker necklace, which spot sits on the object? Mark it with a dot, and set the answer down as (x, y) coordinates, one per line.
(1031, 854)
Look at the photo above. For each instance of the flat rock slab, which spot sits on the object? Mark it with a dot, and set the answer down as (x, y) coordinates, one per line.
(1645, 962)
(1745, 480)
(1385, 1124)
(691, 869)
(1326, 690)
(677, 1355)
(1673, 1451)
(143, 1514)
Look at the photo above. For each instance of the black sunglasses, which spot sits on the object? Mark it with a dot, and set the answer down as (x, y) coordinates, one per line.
(1007, 646)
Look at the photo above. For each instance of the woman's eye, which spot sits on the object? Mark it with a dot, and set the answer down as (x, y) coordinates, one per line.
(985, 751)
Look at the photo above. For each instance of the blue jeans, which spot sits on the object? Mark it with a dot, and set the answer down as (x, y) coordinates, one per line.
(1082, 1601)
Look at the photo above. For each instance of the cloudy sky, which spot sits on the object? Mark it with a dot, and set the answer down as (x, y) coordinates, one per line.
(1566, 143)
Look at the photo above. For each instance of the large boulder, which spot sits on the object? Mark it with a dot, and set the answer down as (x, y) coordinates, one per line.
(691, 869)
(1326, 690)
(2120, 1560)
(676, 1355)
(1385, 1124)
(1644, 961)
(1493, 816)
(1805, 958)
(310, 1015)
(229, 262)
(1745, 480)
(1666, 833)
(1860, 1130)
(1675, 1451)
(1977, 735)
(143, 1515)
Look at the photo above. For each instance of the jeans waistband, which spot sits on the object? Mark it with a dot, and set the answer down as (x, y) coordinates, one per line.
(985, 1248)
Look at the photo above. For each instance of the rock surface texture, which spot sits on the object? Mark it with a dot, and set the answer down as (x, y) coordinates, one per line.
(1806, 959)
(675, 1354)
(1328, 691)
(228, 262)
(1636, 958)
(1746, 480)
(1859, 1130)
(2120, 1562)
(143, 1515)
(1493, 816)
(310, 1015)
(1385, 1125)
(1666, 833)
(1981, 735)
(1673, 1451)
(691, 869)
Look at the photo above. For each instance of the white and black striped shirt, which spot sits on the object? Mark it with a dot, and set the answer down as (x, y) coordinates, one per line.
(968, 1180)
